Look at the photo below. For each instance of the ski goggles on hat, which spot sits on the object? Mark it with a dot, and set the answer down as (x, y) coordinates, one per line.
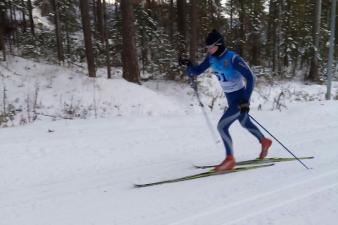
(216, 43)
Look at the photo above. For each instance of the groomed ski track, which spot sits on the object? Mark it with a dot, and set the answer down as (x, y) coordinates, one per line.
(82, 173)
(251, 208)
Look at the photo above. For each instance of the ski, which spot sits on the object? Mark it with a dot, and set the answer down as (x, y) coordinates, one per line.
(257, 161)
(204, 174)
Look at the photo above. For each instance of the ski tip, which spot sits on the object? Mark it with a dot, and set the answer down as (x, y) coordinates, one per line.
(138, 185)
(241, 168)
(273, 158)
(257, 166)
(203, 167)
(146, 185)
(271, 164)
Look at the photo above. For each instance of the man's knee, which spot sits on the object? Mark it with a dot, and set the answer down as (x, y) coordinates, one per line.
(243, 120)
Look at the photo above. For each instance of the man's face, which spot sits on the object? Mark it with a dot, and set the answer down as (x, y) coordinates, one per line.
(212, 49)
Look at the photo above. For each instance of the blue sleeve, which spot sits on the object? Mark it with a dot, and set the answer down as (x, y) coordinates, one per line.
(241, 66)
(198, 69)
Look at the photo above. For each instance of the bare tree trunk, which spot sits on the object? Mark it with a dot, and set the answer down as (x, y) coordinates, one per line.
(2, 44)
(274, 30)
(99, 20)
(67, 27)
(84, 7)
(193, 35)
(278, 40)
(106, 39)
(171, 17)
(24, 23)
(30, 10)
(181, 26)
(2, 33)
(131, 70)
(59, 42)
(287, 35)
(231, 15)
(242, 21)
(314, 74)
(270, 30)
(15, 24)
(116, 10)
(148, 4)
(10, 22)
(46, 7)
(67, 38)
(213, 14)
(94, 12)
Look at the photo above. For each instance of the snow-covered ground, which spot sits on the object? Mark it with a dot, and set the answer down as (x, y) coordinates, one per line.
(32, 91)
(81, 172)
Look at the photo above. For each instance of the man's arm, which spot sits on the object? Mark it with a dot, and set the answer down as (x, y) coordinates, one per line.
(195, 70)
(241, 66)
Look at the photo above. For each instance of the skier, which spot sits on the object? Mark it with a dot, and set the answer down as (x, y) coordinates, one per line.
(230, 70)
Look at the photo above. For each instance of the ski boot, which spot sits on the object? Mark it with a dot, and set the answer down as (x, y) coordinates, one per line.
(228, 164)
(266, 143)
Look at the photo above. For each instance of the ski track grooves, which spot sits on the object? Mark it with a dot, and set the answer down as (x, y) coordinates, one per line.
(261, 203)
(75, 184)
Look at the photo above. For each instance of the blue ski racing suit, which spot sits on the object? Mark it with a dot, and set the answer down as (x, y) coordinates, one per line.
(231, 70)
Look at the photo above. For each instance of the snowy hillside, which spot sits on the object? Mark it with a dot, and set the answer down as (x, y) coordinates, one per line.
(57, 92)
(81, 172)
(35, 91)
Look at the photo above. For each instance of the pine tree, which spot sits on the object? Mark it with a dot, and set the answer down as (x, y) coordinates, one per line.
(129, 52)
(181, 26)
(30, 11)
(84, 7)
(58, 34)
(314, 75)
(2, 31)
(193, 30)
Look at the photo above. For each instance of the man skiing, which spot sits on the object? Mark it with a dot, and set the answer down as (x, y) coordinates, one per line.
(231, 70)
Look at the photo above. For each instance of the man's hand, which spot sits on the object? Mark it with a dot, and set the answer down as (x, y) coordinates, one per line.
(189, 72)
(244, 106)
(184, 62)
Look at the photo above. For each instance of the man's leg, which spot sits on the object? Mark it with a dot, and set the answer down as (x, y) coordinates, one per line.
(224, 124)
(246, 122)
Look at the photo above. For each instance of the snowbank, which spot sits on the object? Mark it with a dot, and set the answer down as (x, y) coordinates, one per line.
(32, 91)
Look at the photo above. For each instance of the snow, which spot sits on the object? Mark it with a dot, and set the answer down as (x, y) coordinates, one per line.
(82, 171)
(67, 92)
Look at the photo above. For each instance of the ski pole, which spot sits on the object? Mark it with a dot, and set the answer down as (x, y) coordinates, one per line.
(194, 86)
(279, 142)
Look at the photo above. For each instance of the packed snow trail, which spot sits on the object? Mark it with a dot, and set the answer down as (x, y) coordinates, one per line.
(82, 172)
(266, 201)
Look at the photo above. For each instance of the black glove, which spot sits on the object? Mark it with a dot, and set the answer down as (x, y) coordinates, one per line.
(184, 62)
(244, 106)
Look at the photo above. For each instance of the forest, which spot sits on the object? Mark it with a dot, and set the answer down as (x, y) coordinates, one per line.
(279, 38)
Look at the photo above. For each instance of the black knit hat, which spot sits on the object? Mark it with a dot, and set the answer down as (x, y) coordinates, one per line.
(214, 38)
